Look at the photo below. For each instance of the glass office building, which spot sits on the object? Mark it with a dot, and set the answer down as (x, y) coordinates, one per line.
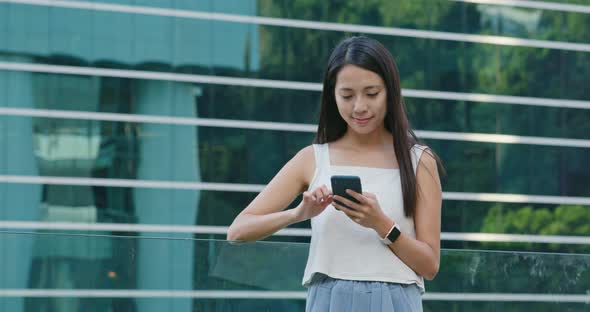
(165, 118)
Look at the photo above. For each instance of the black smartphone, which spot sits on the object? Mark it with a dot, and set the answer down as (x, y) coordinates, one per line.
(340, 183)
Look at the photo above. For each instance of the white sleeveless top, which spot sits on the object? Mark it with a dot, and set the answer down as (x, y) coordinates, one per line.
(341, 248)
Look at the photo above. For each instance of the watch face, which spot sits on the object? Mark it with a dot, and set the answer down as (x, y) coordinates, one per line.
(394, 234)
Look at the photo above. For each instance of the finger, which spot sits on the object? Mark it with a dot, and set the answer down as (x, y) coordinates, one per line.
(370, 195)
(329, 200)
(321, 194)
(316, 196)
(349, 212)
(357, 196)
(326, 190)
(308, 196)
(347, 202)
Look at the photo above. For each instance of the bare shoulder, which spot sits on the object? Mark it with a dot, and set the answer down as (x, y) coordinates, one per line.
(427, 166)
(423, 151)
(427, 158)
(304, 161)
(306, 153)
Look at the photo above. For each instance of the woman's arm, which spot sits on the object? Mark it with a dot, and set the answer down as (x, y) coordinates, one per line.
(265, 215)
(422, 253)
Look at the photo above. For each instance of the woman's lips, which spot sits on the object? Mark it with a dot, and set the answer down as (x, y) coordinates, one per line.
(361, 121)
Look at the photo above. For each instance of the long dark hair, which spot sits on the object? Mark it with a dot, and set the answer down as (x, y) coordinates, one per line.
(371, 55)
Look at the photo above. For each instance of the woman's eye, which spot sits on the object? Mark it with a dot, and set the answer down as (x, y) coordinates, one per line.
(347, 97)
(372, 94)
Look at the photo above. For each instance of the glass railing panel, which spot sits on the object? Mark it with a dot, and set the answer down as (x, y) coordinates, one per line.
(109, 273)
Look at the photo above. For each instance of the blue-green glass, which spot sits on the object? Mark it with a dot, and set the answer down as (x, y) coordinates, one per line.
(149, 151)
(142, 263)
(161, 206)
(169, 44)
(134, 96)
(442, 15)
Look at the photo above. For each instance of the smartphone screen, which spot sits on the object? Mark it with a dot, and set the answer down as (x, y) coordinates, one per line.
(340, 183)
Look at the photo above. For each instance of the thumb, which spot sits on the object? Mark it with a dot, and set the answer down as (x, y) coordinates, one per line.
(328, 200)
(308, 196)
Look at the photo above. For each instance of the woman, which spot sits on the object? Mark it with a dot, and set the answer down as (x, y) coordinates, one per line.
(372, 255)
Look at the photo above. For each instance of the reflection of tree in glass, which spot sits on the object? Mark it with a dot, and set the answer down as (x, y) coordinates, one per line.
(561, 220)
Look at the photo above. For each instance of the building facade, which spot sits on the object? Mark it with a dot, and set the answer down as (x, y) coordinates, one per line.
(146, 116)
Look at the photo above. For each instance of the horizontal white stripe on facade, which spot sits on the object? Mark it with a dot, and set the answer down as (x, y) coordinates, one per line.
(507, 297)
(135, 227)
(543, 5)
(293, 232)
(130, 293)
(292, 295)
(515, 238)
(282, 84)
(236, 187)
(325, 26)
(159, 184)
(184, 121)
(163, 76)
(495, 98)
(517, 198)
(282, 126)
(501, 138)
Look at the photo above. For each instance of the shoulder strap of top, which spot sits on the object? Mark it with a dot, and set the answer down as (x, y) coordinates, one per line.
(322, 158)
(416, 153)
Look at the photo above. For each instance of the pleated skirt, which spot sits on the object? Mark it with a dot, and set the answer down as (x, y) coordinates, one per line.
(327, 294)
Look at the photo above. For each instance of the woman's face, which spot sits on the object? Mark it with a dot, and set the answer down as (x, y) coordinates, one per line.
(361, 98)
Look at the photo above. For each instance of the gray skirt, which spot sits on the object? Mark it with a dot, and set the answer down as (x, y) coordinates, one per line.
(335, 295)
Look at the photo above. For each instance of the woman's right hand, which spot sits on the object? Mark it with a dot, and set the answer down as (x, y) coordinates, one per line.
(313, 203)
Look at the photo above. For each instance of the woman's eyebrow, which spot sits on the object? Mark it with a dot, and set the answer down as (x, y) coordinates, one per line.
(365, 88)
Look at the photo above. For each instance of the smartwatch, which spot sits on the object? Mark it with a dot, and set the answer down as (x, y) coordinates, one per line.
(391, 236)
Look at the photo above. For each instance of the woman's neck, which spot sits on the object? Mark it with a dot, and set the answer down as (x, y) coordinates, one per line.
(375, 139)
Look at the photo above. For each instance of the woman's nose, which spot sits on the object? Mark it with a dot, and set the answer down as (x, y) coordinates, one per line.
(360, 106)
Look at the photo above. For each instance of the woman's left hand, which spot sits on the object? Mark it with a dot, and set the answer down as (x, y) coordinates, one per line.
(367, 213)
